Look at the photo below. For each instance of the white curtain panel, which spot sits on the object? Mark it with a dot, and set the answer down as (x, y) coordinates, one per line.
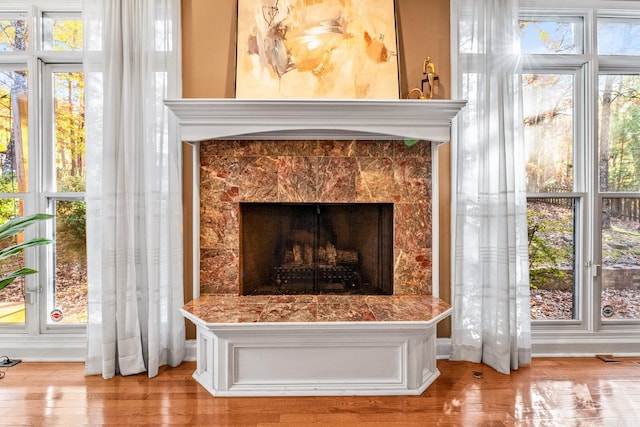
(134, 204)
(491, 314)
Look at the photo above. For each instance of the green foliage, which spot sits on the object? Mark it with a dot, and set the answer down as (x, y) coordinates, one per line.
(7, 206)
(544, 254)
(72, 215)
(69, 125)
(10, 229)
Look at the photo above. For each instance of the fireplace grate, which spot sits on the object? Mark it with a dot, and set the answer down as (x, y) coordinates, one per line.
(324, 274)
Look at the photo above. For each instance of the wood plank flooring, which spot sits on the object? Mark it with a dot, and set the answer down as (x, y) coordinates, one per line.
(551, 392)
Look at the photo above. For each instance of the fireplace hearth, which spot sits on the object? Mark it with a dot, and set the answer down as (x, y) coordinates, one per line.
(316, 248)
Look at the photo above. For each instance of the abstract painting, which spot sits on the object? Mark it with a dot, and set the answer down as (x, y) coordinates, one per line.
(328, 49)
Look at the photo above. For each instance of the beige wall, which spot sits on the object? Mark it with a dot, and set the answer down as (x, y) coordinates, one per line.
(208, 52)
(208, 45)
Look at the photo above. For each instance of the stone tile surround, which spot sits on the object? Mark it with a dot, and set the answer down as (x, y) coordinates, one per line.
(342, 171)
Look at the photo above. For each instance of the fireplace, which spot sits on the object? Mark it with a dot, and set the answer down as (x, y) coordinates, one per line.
(307, 156)
(316, 248)
(316, 152)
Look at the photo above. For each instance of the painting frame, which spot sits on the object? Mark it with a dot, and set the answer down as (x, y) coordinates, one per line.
(320, 49)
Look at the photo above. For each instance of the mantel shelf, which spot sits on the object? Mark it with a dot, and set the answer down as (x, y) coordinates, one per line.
(202, 119)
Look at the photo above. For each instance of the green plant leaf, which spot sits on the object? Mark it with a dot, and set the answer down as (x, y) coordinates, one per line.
(11, 228)
(8, 279)
(16, 249)
(410, 142)
(18, 224)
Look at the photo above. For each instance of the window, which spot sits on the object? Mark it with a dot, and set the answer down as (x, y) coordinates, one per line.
(62, 31)
(14, 164)
(554, 198)
(14, 35)
(42, 163)
(581, 108)
(618, 36)
(65, 194)
(619, 195)
(557, 35)
(618, 181)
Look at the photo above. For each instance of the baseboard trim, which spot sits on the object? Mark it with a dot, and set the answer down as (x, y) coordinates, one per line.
(54, 348)
(73, 349)
(191, 347)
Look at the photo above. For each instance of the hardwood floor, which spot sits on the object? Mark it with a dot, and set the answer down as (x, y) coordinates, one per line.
(551, 392)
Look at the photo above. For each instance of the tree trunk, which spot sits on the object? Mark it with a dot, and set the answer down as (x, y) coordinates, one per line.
(19, 111)
(18, 99)
(603, 163)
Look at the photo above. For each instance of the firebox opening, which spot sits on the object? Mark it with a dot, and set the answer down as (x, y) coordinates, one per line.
(314, 248)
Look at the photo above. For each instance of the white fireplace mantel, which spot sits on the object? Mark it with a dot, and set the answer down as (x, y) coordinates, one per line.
(203, 119)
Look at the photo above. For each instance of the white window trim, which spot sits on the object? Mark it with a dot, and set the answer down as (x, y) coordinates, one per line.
(47, 194)
(35, 340)
(589, 336)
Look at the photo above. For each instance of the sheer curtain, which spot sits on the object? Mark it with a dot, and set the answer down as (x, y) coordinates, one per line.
(134, 205)
(491, 318)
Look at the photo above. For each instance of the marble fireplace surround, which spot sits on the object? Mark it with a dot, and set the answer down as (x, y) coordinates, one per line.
(242, 352)
(315, 151)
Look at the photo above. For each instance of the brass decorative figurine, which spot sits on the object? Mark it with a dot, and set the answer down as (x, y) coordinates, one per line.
(418, 91)
(429, 71)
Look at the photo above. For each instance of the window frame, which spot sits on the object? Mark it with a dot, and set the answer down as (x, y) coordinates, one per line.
(49, 193)
(590, 334)
(549, 64)
(36, 330)
(609, 65)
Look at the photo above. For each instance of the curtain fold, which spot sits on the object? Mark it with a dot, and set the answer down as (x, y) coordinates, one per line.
(134, 201)
(491, 313)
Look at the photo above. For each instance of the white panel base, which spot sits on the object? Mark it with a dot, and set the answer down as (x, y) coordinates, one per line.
(288, 359)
